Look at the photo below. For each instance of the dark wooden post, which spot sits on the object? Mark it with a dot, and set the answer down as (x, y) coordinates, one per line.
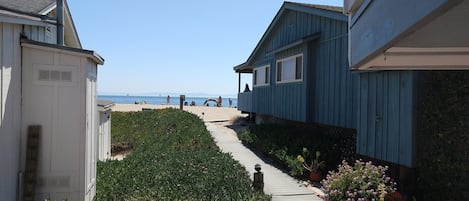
(258, 182)
(239, 83)
(32, 155)
(182, 98)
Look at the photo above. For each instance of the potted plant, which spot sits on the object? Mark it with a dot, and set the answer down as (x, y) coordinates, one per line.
(314, 167)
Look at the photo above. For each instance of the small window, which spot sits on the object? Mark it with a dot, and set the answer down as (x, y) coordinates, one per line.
(255, 78)
(55, 75)
(299, 68)
(290, 69)
(46, 75)
(261, 76)
(66, 76)
(279, 71)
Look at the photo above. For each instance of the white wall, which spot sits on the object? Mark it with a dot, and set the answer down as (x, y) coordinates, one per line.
(104, 144)
(10, 107)
(91, 130)
(61, 107)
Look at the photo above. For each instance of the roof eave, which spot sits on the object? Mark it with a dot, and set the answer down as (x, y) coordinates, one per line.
(19, 17)
(105, 105)
(87, 53)
(243, 68)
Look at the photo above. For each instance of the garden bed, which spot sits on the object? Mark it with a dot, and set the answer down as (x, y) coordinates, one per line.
(281, 144)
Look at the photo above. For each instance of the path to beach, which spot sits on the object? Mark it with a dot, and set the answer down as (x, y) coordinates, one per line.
(219, 122)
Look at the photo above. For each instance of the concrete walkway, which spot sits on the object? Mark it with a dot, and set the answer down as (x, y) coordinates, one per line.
(276, 183)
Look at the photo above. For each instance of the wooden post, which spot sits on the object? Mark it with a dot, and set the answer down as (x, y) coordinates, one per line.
(258, 182)
(239, 83)
(32, 154)
(182, 98)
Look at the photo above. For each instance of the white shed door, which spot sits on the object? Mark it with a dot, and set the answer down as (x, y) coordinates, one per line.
(53, 97)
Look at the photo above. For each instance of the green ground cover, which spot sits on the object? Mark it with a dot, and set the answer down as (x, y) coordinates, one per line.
(173, 158)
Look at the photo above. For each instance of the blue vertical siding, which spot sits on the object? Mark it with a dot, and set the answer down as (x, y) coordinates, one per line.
(328, 92)
(261, 101)
(289, 98)
(386, 116)
(261, 96)
(334, 85)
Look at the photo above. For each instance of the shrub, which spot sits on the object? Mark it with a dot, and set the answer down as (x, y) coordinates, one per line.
(363, 181)
(283, 143)
(443, 136)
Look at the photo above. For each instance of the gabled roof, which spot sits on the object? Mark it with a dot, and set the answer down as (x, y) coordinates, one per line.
(314, 9)
(28, 6)
(37, 10)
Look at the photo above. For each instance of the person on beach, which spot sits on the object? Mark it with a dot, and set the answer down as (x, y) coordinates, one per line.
(230, 101)
(219, 101)
(168, 100)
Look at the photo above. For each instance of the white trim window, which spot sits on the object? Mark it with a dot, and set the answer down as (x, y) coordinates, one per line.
(261, 76)
(290, 69)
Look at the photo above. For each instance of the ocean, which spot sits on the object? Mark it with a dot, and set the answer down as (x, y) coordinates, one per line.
(161, 100)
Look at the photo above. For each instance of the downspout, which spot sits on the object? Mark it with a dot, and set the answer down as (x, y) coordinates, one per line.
(60, 22)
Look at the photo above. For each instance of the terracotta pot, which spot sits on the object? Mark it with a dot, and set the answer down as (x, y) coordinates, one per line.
(315, 176)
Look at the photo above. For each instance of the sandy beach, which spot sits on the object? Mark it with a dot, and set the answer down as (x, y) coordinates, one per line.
(208, 114)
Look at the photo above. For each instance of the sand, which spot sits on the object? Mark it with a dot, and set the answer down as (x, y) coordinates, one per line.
(208, 114)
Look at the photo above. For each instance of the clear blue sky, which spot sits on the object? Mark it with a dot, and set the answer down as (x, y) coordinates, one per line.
(154, 47)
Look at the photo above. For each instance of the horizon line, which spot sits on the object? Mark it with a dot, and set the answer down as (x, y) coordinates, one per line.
(153, 94)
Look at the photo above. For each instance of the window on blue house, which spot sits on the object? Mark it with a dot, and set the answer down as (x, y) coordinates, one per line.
(290, 69)
(261, 76)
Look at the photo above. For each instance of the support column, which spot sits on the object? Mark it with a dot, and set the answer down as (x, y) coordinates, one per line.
(239, 83)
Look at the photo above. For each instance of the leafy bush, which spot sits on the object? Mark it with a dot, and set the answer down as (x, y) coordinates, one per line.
(283, 143)
(443, 136)
(363, 181)
(174, 158)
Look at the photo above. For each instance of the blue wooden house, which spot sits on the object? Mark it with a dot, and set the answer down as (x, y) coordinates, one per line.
(390, 51)
(380, 67)
(300, 68)
(412, 58)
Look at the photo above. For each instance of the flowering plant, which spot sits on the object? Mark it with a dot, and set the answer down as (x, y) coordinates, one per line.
(363, 181)
(315, 164)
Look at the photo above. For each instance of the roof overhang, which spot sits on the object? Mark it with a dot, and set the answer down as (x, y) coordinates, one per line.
(243, 68)
(105, 105)
(408, 58)
(16, 17)
(63, 49)
(426, 36)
